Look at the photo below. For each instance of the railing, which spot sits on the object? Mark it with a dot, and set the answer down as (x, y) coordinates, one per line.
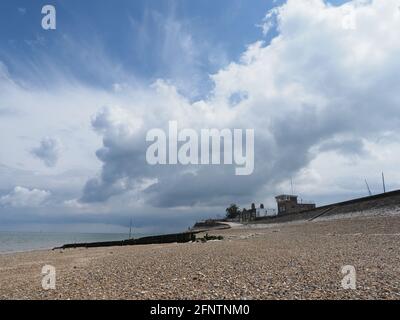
(306, 202)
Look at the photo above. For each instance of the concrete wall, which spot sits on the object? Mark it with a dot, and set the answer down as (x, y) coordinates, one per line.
(389, 199)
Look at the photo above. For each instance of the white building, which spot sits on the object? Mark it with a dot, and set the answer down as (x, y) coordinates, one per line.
(262, 212)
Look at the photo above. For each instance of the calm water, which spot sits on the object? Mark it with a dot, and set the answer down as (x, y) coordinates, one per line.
(26, 241)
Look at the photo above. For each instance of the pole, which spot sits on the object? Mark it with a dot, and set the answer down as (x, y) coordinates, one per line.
(130, 229)
(369, 190)
(383, 182)
(291, 184)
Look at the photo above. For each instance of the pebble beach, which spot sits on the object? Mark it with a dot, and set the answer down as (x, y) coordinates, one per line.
(302, 260)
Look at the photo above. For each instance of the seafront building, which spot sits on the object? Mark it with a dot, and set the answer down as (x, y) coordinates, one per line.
(289, 204)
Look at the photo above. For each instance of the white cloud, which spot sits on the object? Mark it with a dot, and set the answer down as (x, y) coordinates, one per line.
(24, 197)
(269, 21)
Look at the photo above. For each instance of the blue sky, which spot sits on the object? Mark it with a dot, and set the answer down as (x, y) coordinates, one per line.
(76, 102)
(132, 35)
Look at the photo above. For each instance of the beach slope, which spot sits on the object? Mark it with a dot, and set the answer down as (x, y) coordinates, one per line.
(301, 260)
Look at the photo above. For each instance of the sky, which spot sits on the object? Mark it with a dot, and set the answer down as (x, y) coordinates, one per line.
(316, 80)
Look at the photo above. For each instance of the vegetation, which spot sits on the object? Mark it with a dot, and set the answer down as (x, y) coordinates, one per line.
(232, 212)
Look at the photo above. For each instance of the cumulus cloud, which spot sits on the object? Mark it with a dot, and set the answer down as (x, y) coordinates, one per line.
(48, 151)
(24, 197)
(316, 82)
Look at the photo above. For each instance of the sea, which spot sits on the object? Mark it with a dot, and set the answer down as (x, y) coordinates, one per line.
(29, 241)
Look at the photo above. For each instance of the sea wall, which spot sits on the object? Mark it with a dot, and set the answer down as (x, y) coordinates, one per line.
(360, 204)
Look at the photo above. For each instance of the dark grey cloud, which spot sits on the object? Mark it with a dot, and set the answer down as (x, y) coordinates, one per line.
(147, 220)
(48, 151)
(345, 146)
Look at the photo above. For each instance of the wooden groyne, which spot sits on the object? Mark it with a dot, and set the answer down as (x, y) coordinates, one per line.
(209, 225)
(166, 238)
